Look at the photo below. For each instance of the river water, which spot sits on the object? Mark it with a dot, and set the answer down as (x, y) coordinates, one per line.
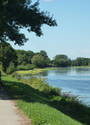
(75, 81)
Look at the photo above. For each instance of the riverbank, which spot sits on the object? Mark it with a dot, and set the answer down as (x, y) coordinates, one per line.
(43, 107)
(34, 71)
(40, 70)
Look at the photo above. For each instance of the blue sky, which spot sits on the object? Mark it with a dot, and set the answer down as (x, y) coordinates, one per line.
(71, 36)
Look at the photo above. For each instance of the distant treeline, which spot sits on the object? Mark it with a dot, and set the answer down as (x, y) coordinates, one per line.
(42, 60)
(11, 59)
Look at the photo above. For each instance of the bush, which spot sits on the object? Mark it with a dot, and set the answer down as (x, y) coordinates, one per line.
(55, 91)
(42, 86)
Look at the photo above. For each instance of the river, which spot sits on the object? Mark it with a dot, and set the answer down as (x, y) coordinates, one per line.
(75, 81)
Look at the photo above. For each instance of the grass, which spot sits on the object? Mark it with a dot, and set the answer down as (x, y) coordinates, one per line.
(34, 71)
(43, 108)
(26, 67)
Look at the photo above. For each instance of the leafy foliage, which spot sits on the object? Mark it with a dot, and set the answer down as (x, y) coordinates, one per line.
(26, 60)
(39, 61)
(81, 61)
(18, 14)
(7, 55)
(24, 57)
(61, 61)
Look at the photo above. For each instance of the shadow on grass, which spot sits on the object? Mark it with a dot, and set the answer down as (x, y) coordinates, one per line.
(71, 108)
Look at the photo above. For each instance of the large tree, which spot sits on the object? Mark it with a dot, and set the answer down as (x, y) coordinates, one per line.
(7, 55)
(61, 61)
(18, 14)
(39, 61)
(24, 57)
(81, 61)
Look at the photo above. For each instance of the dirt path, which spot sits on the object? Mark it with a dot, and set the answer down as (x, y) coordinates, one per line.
(9, 115)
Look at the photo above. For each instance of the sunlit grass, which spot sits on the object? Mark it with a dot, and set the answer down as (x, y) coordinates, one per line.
(34, 71)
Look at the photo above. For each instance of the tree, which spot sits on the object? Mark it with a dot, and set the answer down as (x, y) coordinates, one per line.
(46, 58)
(61, 61)
(7, 55)
(29, 55)
(39, 61)
(18, 14)
(24, 57)
(43, 53)
(81, 61)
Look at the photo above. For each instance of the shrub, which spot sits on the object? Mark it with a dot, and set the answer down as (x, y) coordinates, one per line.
(42, 86)
(55, 91)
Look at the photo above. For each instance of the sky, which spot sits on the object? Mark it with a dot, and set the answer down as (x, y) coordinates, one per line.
(70, 37)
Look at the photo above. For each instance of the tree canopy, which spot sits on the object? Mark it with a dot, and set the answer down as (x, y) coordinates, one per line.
(30, 60)
(81, 61)
(61, 61)
(40, 60)
(24, 57)
(7, 55)
(18, 14)
(26, 60)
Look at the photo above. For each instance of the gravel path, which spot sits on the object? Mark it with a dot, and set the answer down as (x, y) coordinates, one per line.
(9, 114)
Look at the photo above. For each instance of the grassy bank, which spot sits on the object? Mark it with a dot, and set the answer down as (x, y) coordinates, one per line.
(43, 105)
(34, 71)
(39, 70)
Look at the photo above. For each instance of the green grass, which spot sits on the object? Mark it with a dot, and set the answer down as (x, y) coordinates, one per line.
(34, 71)
(44, 109)
(26, 67)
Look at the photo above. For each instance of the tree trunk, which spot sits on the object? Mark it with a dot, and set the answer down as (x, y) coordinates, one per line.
(0, 76)
(1, 84)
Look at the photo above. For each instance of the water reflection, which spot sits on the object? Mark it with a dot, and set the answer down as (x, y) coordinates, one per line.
(62, 71)
(82, 70)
